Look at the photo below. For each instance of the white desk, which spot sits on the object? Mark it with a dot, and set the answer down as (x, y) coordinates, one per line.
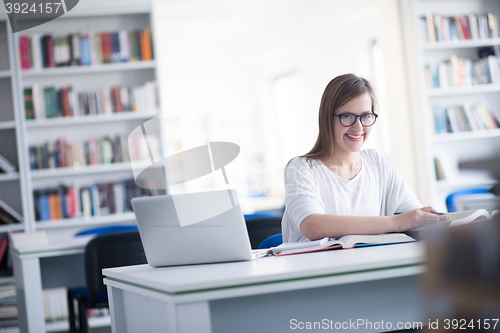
(264, 295)
(53, 265)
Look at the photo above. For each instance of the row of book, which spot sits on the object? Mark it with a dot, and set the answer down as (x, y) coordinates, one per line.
(85, 49)
(440, 28)
(60, 154)
(463, 117)
(459, 72)
(50, 102)
(63, 202)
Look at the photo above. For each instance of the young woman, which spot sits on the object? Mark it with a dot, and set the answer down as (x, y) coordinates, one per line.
(337, 189)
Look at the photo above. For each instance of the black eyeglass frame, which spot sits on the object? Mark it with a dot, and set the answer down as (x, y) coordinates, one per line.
(356, 118)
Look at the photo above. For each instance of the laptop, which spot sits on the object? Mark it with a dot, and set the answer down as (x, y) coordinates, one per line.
(192, 228)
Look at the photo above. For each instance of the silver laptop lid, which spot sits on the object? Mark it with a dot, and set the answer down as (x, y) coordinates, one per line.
(192, 228)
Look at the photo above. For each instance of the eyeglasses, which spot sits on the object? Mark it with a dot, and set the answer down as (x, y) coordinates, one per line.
(348, 119)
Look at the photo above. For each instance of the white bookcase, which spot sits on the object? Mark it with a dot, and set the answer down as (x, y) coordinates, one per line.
(452, 148)
(17, 133)
(82, 127)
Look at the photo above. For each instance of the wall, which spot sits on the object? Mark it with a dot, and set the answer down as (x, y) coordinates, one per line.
(220, 62)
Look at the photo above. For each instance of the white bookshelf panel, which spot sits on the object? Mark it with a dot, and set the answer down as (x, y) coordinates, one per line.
(457, 91)
(128, 217)
(92, 119)
(93, 69)
(7, 125)
(467, 136)
(463, 44)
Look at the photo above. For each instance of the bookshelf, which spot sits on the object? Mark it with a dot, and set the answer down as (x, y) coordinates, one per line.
(450, 59)
(74, 125)
(132, 82)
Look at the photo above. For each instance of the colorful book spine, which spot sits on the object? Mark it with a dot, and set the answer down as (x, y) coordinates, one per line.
(463, 118)
(439, 28)
(99, 199)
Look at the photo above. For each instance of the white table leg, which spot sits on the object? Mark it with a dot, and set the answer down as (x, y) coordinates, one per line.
(29, 294)
(137, 311)
(193, 317)
(116, 310)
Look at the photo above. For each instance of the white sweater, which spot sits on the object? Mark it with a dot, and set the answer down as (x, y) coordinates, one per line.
(377, 190)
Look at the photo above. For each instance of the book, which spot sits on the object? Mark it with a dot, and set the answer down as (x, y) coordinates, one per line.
(471, 216)
(345, 242)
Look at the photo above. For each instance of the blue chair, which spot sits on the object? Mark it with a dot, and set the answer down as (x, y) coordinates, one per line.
(451, 198)
(271, 241)
(109, 229)
(261, 228)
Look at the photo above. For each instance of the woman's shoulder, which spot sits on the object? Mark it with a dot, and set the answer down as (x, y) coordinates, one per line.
(301, 165)
(300, 161)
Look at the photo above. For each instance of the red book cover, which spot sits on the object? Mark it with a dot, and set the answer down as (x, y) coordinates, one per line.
(51, 62)
(3, 248)
(464, 24)
(66, 103)
(25, 52)
(117, 100)
(71, 202)
(106, 47)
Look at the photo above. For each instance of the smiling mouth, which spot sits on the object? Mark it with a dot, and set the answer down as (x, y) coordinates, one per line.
(355, 136)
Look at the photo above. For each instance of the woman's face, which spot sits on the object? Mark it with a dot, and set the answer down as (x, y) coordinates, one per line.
(351, 139)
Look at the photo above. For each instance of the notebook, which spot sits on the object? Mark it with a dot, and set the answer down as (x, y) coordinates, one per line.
(192, 228)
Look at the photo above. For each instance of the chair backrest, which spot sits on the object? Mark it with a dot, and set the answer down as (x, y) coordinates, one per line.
(111, 250)
(108, 229)
(261, 228)
(452, 197)
(272, 241)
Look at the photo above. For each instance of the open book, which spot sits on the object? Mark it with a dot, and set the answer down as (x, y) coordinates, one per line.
(346, 242)
(470, 216)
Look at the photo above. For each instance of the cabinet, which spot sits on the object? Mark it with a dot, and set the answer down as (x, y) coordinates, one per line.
(450, 89)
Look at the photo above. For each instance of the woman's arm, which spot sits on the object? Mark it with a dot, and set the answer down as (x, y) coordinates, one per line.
(317, 226)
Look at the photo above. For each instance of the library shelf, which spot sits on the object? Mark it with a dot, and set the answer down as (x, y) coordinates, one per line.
(5, 177)
(444, 185)
(469, 90)
(113, 67)
(11, 227)
(86, 221)
(471, 135)
(7, 124)
(92, 119)
(84, 170)
(462, 44)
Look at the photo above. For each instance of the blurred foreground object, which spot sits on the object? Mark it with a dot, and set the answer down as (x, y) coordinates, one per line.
(462, 283)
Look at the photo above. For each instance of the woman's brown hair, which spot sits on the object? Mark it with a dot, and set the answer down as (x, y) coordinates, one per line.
(338, 92)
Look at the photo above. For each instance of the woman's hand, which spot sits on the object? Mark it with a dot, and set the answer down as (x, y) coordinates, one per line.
(417, 218)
